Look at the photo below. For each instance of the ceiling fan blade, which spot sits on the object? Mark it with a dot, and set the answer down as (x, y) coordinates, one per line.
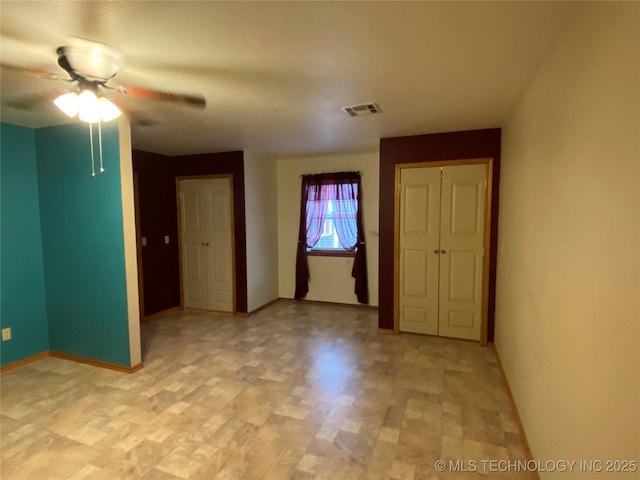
(139, 119)
(136, 117)
(192, 100)
(32, 100)
(33, 72)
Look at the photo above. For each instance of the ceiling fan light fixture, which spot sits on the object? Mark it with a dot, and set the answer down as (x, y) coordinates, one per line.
(88, 107)
(68, 103)
(108, 110)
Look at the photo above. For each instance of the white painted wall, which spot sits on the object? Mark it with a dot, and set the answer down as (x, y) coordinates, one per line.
(331, 279)
(261, 210)
(568, 287)
(130, 248)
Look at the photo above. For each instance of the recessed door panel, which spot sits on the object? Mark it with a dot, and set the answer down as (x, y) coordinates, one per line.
(194, 263)
(464, 209)
(414, 263)
(221, 270)
(194, 274)
(464, 320)
(416, 213)
(192, 215)
(418, 320)
(222, 298)
(462, 276)
(220, 208)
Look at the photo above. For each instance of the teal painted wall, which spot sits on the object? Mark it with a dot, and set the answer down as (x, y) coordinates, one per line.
(82, 242)
(22, 288)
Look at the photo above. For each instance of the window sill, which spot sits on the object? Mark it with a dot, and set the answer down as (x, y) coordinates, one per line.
(330, 253)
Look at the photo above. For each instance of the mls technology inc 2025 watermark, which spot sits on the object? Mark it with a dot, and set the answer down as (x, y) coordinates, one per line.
(504, 466)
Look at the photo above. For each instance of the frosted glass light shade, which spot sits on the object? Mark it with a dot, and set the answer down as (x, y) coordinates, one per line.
(68, 103)
(89, 107)
(108, 109)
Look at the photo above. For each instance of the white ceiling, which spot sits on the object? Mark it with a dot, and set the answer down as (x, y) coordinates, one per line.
(276, 74)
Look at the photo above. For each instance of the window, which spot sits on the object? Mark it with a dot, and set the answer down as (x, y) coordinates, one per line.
(332, 214)
(331, 223)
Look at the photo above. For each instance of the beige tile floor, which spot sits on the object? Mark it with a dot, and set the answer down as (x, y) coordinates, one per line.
(297, 391)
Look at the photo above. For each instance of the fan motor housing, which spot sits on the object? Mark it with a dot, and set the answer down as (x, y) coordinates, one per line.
(95, 62)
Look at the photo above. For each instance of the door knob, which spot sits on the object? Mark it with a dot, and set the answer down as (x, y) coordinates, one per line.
(436, 251)
(443, 251)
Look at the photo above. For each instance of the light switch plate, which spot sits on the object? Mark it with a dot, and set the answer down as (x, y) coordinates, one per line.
(144, 241)
(166, 239)
(6, 334)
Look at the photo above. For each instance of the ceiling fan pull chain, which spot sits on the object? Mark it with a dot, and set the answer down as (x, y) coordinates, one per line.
(93, 169)
(100, 143)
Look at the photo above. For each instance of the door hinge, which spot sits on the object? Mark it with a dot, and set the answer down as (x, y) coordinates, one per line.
(485, 183)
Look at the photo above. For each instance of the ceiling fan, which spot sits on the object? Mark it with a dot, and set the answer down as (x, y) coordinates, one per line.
(90, 65)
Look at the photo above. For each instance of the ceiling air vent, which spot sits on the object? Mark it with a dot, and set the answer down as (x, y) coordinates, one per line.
(361, 110)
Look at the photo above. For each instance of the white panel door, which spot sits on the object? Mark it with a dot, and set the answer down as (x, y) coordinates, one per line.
(217, 193)
(419, 243)
(461, 251)
(206, 236)
(194, 251)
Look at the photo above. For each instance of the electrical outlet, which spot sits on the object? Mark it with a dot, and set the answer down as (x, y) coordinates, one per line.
(6, 334)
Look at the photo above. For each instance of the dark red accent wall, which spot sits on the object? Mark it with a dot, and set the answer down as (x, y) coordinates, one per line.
(158, 217)
(157, 200)
(431, 148)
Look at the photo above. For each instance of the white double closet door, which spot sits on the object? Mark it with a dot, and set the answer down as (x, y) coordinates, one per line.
(206, 238)
(441, 240)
